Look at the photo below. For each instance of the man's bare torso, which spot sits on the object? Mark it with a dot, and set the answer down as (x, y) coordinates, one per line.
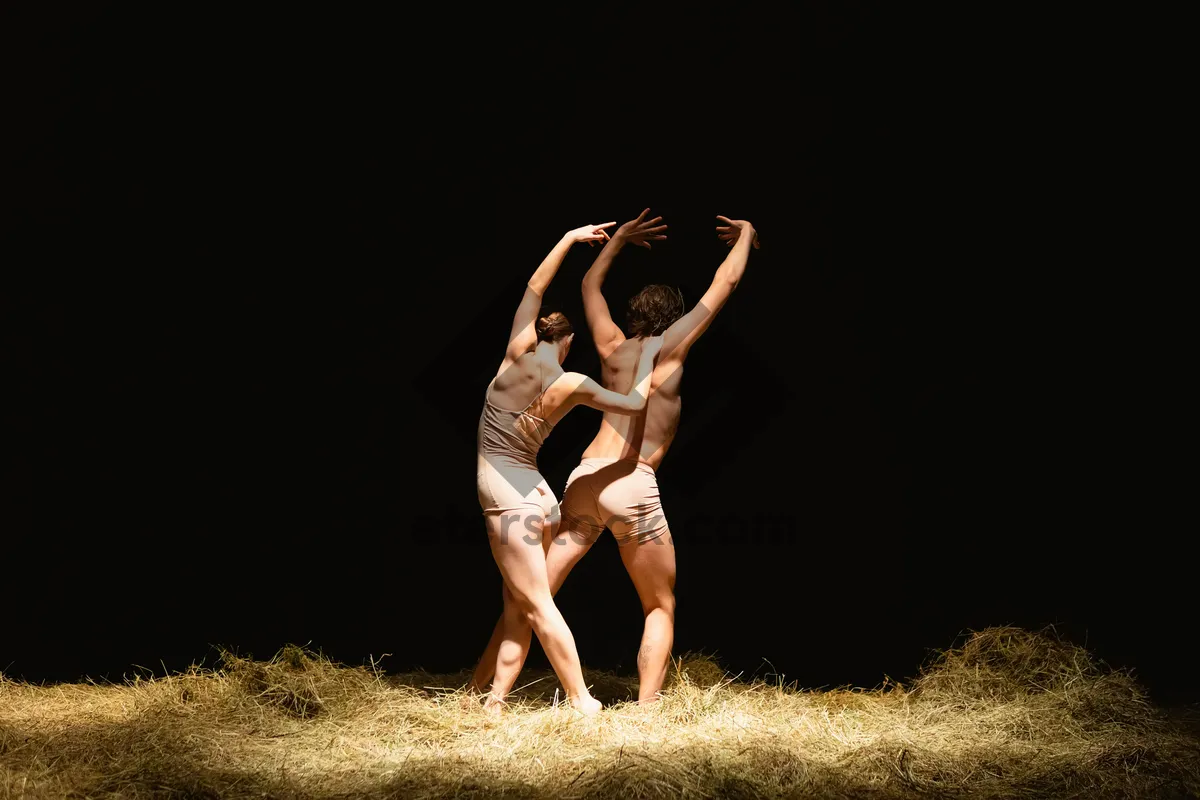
(646, 436)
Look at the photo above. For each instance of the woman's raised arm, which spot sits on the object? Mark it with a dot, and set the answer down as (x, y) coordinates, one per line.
(523, 336)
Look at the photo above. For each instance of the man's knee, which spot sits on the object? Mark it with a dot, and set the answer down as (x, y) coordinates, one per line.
(663, 601)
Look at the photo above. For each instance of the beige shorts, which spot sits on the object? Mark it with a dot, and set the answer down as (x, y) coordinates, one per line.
(513, 490)
(618, 494)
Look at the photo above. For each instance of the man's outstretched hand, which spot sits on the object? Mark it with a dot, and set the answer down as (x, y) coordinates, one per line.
(642, 231)
(733, 229)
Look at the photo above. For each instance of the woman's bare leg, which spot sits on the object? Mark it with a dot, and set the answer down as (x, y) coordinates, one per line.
(486, 667)
(563, 553)
(651, 565)
(516, 633)
(522, 562)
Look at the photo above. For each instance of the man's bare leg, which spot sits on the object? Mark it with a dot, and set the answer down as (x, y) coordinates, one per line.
(487, 662)
(652, 567)
(523, 565)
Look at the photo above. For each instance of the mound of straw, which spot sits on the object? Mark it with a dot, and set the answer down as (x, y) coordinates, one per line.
(1009, 714)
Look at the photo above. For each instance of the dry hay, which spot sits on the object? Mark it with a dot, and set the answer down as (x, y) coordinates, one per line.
(1009, 714)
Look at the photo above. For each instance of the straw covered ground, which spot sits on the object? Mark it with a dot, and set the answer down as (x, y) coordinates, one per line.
(1009, 714)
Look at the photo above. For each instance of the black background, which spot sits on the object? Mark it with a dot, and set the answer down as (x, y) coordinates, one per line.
(281, 251)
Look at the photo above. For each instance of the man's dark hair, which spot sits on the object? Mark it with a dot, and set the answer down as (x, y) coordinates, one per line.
(653, 309)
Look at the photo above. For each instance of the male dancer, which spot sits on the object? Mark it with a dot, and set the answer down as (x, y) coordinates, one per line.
(615, 484)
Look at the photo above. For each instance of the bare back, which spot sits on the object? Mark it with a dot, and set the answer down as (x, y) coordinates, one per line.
(648, 435)
(521, 382)
(531, 379)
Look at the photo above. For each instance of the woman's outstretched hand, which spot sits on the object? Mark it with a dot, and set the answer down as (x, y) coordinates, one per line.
(591, 233)
(733, 229)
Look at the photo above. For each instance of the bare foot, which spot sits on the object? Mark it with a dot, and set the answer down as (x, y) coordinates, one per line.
(493, 706)
(587, 705)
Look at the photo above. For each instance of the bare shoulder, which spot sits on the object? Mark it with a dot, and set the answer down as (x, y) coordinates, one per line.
(570, 382)
(668, 370)
(564, 393)
(624, 353)
(630, 351)
(675, 356)
(513, 372)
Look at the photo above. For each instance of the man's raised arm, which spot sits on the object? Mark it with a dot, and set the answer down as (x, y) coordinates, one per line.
(683, 333)
(606, 333)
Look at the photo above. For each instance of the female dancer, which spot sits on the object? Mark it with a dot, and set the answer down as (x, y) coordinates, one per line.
(528, 396)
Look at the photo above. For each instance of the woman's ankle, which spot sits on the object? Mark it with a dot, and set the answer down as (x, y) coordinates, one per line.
(585, 704)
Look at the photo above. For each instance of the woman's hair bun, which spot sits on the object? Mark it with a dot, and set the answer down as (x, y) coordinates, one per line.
(552, 327)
